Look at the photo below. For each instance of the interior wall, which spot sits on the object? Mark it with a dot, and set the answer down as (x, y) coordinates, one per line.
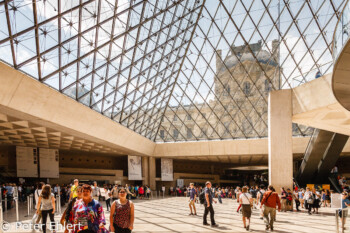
(7, 158)
(81, 159)
(344, 166)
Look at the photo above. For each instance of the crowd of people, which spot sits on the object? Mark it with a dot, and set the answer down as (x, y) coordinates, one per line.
(264, 200)
(84, 212)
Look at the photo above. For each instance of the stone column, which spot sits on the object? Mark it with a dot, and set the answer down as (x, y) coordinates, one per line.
(145, 171)
(152, 173)
(280, 139)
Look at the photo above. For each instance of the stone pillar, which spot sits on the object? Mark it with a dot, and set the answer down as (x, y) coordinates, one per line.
(152, 173)
(280, 139)
(145, 171)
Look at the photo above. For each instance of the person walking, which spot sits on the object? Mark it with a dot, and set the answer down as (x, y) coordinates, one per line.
(122, 216)
(328, 198)
(46, 203)
(88, 214)
(37, 194)
(289, 198)
(343, 212)
(193, 195)
(260, 196)
(317, 201)
(309, 200)
(220, 195)
(73, 190)
(68, 215)
(208, 205)
(107, 195)
(301, 197)
(284, 199)
(270, 200)
(96, 193)
(115, 193)
(55, 190)
(141, 191)
(296, 199)
(246, 200)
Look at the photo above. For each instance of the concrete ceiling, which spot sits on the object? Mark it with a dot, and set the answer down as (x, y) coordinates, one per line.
(14, 131)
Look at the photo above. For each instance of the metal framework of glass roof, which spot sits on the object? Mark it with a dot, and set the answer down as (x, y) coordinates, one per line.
(172, 70)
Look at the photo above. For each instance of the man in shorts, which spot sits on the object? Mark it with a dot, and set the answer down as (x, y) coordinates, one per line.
(193, 195)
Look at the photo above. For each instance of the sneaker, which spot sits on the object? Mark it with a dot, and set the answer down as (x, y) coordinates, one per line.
(271, 228)
(267, 228)
(206, 224)
(195, 214)
(247, 228)
(215, 225)
(190, 214)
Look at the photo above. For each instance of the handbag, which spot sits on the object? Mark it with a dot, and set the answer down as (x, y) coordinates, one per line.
(311, 199)
(35, 216)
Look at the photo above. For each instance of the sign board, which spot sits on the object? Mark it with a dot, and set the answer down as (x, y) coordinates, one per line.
(311, 186)
(27, 161)
(326, 186)
(49, 163)
(336, 201)
(180, 183)
(167, 169)
(134, 168)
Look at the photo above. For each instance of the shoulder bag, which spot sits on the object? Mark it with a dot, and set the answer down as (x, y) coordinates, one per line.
(251, 204)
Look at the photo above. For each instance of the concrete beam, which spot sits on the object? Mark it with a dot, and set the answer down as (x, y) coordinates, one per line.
(314, 105)
(28, 99)
(252, 147)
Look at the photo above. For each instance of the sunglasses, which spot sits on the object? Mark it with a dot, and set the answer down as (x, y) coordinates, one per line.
(122, 192)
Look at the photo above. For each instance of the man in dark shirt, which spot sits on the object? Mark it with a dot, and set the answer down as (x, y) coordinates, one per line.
(253, 192)
(193, 195)
(208, 205)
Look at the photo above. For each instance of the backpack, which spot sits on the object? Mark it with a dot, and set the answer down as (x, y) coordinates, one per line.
(253, 193)
(202, 197)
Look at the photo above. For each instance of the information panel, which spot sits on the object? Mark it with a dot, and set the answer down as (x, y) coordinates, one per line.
(27, 161)
(167, 169)
(336, 199)
(134, 168)
(49, 163)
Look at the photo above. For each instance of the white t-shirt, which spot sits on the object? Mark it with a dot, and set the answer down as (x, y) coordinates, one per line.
(106, 194)
(307, 195)
(36, 196)
(245, 198)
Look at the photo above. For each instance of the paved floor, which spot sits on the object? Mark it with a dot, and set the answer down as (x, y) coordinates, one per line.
(171, 215)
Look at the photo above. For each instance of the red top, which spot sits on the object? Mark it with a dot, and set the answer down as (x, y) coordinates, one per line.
(272, 201)
(122, 214)
(141, 191)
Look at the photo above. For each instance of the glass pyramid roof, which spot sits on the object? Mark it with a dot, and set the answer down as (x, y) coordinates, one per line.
(172, 70)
